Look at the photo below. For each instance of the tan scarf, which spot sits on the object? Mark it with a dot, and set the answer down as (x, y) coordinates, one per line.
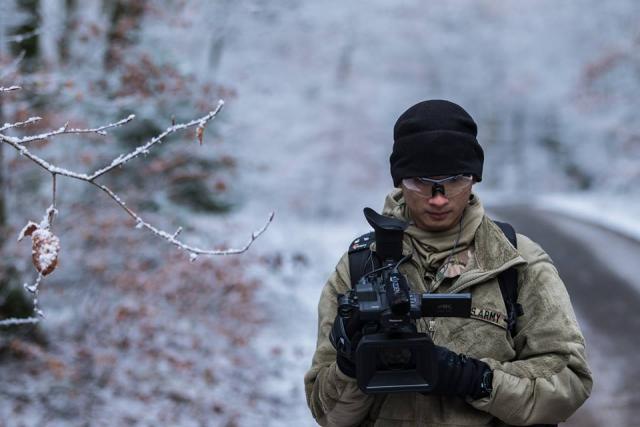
(434, 247)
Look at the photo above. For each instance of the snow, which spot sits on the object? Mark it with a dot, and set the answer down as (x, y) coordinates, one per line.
(617, 212)
(27, 230)
(46, 247)
(319, 86)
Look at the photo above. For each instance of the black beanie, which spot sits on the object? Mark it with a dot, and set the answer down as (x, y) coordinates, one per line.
(435, 137)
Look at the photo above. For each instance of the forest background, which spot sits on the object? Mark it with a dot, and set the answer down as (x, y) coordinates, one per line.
(135, 331)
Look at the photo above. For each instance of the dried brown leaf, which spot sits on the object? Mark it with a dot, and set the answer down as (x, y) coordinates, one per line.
(27, 230)
(200, 134)
(45, 248)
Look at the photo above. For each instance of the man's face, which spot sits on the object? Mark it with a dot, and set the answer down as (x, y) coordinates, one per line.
(436, 213)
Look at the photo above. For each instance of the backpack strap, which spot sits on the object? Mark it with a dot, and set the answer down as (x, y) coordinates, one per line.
(508, 280)
(361, 259)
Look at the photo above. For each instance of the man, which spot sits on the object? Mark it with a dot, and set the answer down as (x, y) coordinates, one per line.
(487, 374)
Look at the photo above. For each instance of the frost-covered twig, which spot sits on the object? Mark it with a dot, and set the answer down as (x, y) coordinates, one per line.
(14, 321)
(101, 130)
(33, 289)
(19, 38)
(172, 238)
(9, 89)
(15, 143)
(143, 149)
(46, 244)
(13, 67)
(65, 130)
(18, 144)
(29, 121)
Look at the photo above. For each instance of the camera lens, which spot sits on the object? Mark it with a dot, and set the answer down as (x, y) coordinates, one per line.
(395, 359)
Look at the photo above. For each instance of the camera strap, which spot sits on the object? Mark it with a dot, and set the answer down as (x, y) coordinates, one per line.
(361, 259)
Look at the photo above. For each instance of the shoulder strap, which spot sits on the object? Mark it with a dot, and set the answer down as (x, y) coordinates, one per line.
(361, 260)
(508, 280)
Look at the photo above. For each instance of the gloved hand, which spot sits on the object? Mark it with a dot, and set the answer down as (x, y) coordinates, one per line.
(459, 375)
(345, 336)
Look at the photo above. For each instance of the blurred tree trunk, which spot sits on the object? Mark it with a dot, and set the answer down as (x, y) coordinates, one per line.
(65, 37)
(3, 209)
(125, 17)
(13, 299)
(54, 17)
(28, 25)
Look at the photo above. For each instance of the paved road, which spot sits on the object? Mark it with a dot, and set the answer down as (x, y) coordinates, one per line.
(601, 270)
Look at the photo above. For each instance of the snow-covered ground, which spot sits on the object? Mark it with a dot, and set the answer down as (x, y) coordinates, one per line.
(617, 212)
(318, 86)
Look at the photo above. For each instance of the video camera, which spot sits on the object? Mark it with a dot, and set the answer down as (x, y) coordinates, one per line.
(392, 355)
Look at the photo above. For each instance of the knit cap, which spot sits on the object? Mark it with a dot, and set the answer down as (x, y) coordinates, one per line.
(435, 138)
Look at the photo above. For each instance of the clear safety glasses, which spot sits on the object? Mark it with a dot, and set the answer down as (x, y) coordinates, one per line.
(449, 187)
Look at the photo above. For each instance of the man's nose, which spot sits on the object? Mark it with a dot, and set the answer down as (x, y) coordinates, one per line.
(438, 200)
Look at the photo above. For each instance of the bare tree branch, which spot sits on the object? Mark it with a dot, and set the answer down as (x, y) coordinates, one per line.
(13, 67)
(9, 89)
(29, 121)
(45, 225)
(19, 38)
(35, 290)
(15, 143)
(143, 149)
(13, 321)
(65, 130)
(172, 238)
(101, 130)
(18, 144)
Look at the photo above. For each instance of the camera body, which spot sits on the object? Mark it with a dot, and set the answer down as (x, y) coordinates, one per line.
(392, 356)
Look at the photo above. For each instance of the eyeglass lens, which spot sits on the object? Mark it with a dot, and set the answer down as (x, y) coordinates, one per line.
(449, 187)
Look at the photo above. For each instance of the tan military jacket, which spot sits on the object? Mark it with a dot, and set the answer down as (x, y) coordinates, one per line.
(540, 375)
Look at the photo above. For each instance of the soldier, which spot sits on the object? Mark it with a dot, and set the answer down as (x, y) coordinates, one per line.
(491, 371)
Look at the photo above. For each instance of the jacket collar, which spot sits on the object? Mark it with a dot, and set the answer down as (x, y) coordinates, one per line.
(493, 254)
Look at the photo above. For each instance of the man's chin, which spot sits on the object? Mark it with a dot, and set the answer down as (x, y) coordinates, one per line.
(438, 218)
(432, 225)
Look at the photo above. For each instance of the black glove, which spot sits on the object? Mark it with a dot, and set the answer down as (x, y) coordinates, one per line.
(459, 375)
(345, 336)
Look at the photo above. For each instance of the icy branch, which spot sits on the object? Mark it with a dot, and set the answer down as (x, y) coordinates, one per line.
(19, 38)
(29, 121)
(41, 234)
(34, 289)
(9, 89)
(143, 149)
(172, 238)
(19, 321)
(66, 130)
(15, 143)
(101, 130)
(13, 67)
(200, 123)
(47, 219)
